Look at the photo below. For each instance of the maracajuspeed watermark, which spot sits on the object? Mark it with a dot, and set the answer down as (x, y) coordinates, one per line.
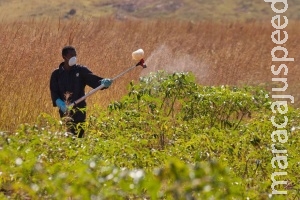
(279, 107)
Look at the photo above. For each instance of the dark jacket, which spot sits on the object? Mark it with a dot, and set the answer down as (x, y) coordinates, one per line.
(72, 81)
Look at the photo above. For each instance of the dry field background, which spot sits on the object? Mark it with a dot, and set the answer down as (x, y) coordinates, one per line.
(145, 9)
(232, 53)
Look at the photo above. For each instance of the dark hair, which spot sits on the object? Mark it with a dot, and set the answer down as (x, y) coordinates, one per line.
(66, 49)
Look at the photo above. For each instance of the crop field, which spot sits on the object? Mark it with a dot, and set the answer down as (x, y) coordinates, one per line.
(195, 124)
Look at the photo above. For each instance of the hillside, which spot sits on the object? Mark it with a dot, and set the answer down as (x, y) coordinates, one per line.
(146, 9)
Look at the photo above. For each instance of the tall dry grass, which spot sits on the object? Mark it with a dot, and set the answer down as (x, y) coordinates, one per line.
(228, 53)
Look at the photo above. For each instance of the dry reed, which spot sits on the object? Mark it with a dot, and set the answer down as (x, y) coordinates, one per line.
(228, 53)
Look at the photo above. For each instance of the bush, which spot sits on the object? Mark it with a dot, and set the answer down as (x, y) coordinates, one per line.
(169, 138)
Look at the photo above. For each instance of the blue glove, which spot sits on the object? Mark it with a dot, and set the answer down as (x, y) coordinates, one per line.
(106, 82)
(62, 105)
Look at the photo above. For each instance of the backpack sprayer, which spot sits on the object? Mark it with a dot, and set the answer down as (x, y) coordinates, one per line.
(137, 55)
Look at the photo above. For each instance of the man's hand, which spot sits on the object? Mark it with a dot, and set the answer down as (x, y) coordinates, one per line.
(61, 105)
(106, 82)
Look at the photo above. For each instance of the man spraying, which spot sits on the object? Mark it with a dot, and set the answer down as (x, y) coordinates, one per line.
(67, 84)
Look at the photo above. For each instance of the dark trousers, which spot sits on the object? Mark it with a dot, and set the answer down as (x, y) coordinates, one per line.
(74, 121)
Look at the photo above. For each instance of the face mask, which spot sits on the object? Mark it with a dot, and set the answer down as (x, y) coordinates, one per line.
(72, 61)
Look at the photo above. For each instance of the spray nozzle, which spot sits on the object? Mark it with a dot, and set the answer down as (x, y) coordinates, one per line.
(141, 63)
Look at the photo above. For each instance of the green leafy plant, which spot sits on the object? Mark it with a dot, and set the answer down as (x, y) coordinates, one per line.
(169, 138)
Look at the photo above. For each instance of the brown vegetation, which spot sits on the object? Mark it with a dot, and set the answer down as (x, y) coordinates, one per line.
(229, 53)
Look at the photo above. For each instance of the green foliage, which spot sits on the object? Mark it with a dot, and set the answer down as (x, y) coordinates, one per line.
(169, 138)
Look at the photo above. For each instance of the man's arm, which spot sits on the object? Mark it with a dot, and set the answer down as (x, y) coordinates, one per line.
(91, 79)
(54, 89)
